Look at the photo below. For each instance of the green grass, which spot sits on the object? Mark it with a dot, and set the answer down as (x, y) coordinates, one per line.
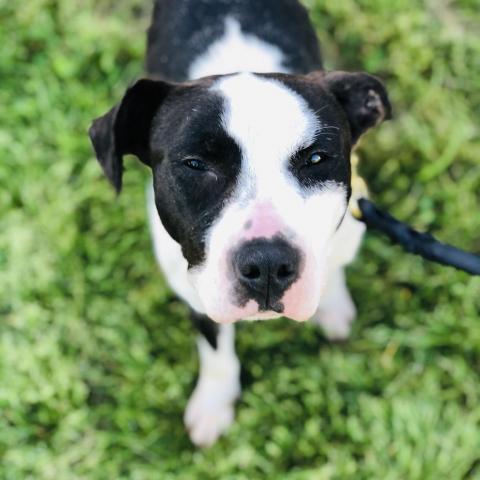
(97, 360)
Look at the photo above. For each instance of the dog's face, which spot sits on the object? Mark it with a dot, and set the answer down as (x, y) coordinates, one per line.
(251, 177)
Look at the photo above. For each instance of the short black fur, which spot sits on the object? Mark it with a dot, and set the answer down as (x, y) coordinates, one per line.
(363, 98)
(126, 128)
(208, 328)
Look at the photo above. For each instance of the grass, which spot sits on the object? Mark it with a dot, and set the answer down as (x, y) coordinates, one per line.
(96, 358)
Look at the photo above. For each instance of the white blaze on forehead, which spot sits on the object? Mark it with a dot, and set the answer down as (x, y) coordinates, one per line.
(268, 120)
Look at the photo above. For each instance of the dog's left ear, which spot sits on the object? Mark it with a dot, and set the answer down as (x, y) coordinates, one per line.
(125, 129)
(363, 97)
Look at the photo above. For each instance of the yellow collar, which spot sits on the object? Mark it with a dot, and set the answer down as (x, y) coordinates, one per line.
(359, 188)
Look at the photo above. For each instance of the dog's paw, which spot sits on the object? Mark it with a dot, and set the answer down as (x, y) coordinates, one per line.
(210, 411)
(336, 322)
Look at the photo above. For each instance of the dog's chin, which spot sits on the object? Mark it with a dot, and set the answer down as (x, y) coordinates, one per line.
(270, 315)
(252, 315)
(233, 314)
(274, 315)
(259, 316)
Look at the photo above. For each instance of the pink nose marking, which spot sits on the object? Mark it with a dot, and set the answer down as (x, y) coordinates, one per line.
(263, 223)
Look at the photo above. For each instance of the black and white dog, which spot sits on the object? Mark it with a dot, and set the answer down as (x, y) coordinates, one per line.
(251, 175)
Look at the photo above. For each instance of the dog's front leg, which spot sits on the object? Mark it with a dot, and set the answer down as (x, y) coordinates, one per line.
(210, 410)
(337, 310)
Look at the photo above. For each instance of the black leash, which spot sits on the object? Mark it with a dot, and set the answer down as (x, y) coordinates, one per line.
(423, 244)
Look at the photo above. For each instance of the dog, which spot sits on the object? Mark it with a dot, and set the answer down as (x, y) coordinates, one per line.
(249, 143)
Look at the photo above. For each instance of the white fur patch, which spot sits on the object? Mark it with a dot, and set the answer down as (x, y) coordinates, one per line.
(337, 310)
(269, 121)
(237, 52)
(347, 242)
(210, 410)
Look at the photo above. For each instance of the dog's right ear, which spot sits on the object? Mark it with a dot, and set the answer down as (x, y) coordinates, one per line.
(125, 129)
(363, 98)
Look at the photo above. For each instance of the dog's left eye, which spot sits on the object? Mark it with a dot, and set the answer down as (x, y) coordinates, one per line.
(195, 164)
(314, 159)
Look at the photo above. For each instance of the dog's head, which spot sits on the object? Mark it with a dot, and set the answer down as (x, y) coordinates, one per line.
(251, 176)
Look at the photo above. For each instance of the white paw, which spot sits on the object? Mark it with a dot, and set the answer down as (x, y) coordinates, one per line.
(210, 411)
(336, 322)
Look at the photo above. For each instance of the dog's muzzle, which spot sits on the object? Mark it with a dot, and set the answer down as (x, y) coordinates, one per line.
(264, 269)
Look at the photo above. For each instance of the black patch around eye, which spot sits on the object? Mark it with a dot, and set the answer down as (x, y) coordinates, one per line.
(189, 200)
(332, 167)
(312, 156)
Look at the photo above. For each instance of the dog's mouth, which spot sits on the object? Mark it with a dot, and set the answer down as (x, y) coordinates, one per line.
(271, 306)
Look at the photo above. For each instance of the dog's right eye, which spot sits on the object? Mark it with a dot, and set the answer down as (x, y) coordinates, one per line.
(314, 159)
(195, 164)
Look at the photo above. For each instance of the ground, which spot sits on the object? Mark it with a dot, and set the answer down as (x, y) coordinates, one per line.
(97, 359)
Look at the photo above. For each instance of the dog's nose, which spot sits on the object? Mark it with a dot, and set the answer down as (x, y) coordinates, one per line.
(265, 269)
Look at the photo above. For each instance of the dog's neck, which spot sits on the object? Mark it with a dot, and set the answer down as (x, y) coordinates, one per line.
(237, 51)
